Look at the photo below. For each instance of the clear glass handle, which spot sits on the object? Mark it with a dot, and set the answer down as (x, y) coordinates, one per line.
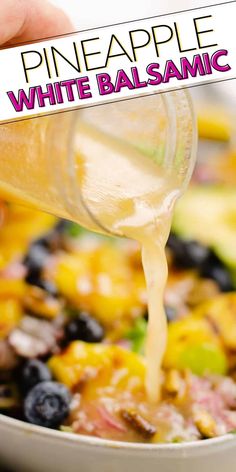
(161, 127)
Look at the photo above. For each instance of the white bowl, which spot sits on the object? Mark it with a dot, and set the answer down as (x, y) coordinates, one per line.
(29, 448)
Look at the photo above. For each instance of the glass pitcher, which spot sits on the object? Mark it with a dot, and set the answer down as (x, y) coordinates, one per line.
(37, 156)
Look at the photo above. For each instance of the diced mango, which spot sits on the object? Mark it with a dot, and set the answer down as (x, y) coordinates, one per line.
(73, 278)
(221, 313)
(14, 288)
(19, 228)
(103, 281)
(98, 366)
(185, 335)
(214, 123)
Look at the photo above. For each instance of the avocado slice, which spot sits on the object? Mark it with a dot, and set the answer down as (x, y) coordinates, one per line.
(193, 344)
(208, 215)
(204, 358)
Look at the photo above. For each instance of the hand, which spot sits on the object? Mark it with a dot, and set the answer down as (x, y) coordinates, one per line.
(28, 20)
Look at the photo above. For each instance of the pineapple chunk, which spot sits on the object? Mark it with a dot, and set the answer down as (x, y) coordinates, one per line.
(221, 313)
(103, 281)
(97, 366)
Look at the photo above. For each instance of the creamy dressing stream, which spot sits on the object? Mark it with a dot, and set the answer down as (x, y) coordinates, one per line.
(130, 195)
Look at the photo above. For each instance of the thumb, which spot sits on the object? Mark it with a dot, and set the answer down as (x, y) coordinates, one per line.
(26, 20)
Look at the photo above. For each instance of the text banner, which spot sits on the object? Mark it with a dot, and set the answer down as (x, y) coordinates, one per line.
(118, 62)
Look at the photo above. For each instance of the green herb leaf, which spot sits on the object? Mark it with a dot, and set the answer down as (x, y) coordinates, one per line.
(137, 335)
(74, 230)
(66, 429)
(177, 440)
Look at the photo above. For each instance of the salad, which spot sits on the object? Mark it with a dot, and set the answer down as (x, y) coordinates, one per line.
(73, 316)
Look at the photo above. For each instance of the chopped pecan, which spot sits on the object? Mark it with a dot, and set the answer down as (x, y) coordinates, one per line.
(138, 423)
(8, 358)
(8, 396)
(39, 302)
(201, 291)
(34, 337)
(205, 424)
(174, 383)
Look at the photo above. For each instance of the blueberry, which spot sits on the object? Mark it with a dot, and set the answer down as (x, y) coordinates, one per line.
(214, 269)
(44, 241)
(34, 262)
(48, 286)
(175, 244)
(62, 226)
(31, 373)
(170, 313)
(84, 328)
(187, 254)
(51, 241)
(223, 278)
(47, 404)
(196, 254)
(53, 237)
(193, 255)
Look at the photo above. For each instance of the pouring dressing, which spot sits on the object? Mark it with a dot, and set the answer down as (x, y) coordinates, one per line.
(116, 169)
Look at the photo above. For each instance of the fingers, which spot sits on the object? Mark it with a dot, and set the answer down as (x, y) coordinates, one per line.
(26, 20)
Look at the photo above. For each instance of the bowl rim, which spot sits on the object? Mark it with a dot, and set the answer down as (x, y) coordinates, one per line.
(100, 443)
